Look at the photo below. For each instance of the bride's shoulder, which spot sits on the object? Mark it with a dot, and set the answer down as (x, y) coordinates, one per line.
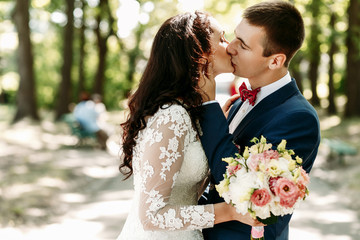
(174, 107)
(174, 112)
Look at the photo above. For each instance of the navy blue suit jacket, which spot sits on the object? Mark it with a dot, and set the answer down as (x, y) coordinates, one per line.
(284, 114)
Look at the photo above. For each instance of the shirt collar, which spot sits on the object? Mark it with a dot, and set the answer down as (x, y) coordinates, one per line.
(272, 87)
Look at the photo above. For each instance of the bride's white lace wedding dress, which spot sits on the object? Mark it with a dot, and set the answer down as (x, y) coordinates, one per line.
(169, 167)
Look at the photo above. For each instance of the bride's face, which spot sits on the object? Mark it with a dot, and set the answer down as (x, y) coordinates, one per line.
(220, 59)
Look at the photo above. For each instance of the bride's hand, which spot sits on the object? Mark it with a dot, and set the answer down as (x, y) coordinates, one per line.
(225, 212)
(228, 104)
(247, 219)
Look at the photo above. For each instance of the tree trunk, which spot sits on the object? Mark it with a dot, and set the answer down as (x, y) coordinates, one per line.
(26, 97)
(353, 60)
(102, 52)
(64, 98)
(104, 8)
(133, 57)
(332, 50)
(314, 52)
(81, 83)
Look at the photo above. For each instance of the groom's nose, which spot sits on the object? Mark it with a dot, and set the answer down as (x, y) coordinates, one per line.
(230, 48)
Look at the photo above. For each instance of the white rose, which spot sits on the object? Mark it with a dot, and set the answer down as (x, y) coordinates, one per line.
(240, 190)
(242, 207)
(275, 207)
(262, 212)
(284, 168)
(279, 210)
(226, 197)
(274, 168)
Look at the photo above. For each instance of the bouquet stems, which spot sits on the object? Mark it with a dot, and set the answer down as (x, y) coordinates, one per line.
(257, 233)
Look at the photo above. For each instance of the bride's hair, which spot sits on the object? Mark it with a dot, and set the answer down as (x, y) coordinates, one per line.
(171, 75)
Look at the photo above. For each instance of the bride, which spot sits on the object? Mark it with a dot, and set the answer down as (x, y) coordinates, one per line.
(161, 145)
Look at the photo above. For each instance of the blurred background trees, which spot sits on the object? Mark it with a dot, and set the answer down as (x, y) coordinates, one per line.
(26, 100)
(51, 51)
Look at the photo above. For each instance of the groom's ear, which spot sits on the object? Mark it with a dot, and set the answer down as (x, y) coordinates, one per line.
(277, 61)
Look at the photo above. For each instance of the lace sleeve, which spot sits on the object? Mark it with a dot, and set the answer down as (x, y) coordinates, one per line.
(161, 163)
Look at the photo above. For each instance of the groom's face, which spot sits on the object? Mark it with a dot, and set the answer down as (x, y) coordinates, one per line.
(246, 51)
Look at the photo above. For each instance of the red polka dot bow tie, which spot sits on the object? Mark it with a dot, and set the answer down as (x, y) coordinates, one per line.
(246, 94)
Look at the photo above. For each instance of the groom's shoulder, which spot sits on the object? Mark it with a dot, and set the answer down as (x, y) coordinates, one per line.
(297, 109)
(299, 102)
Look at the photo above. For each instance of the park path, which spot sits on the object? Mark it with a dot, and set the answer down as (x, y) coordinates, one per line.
(93, 203)
(98, 210)
(324, 215)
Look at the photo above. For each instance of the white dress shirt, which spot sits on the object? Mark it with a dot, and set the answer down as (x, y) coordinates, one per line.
(264, 92)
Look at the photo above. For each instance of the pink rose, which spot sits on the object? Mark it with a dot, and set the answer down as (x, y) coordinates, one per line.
(264, 157)
(271, 154)
(302, 190)
(233, 169)
(254, 160)
(260, 197)
(287, 191)
(305, 176)
(272, 183)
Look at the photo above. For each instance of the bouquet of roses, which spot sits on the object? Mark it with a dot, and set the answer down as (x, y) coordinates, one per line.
(264, 182)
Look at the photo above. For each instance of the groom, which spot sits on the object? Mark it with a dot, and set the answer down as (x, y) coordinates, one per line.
(266, 39)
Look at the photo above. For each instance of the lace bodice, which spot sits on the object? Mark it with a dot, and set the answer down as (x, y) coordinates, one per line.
(169, 167)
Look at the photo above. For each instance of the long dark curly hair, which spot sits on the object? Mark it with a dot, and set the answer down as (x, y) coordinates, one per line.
(179, 55)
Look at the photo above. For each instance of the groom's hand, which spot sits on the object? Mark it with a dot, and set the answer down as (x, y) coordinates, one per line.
(228, 104)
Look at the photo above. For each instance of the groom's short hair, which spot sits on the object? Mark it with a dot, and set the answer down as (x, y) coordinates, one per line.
(283, 25)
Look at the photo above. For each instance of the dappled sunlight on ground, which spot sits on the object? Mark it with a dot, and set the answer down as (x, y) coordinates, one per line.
(54, 189)
(101, 172)
(68, 229)
(325, 214)
(28, 134)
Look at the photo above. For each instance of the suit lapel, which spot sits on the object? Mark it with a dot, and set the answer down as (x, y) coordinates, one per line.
(268, 103)
(235, 108)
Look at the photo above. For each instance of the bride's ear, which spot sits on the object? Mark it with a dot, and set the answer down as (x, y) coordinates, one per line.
(203, 61)
(205, 64)
(277, 61)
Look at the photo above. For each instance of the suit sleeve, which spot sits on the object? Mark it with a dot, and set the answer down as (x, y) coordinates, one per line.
(301, 131)
(216, 140)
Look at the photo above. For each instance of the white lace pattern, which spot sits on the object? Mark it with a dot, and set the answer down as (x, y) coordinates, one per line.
(169, 167)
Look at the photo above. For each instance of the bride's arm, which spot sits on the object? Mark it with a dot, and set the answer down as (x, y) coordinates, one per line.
(160, 165)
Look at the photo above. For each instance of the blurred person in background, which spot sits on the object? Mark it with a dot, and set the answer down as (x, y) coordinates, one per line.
(87, 113)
